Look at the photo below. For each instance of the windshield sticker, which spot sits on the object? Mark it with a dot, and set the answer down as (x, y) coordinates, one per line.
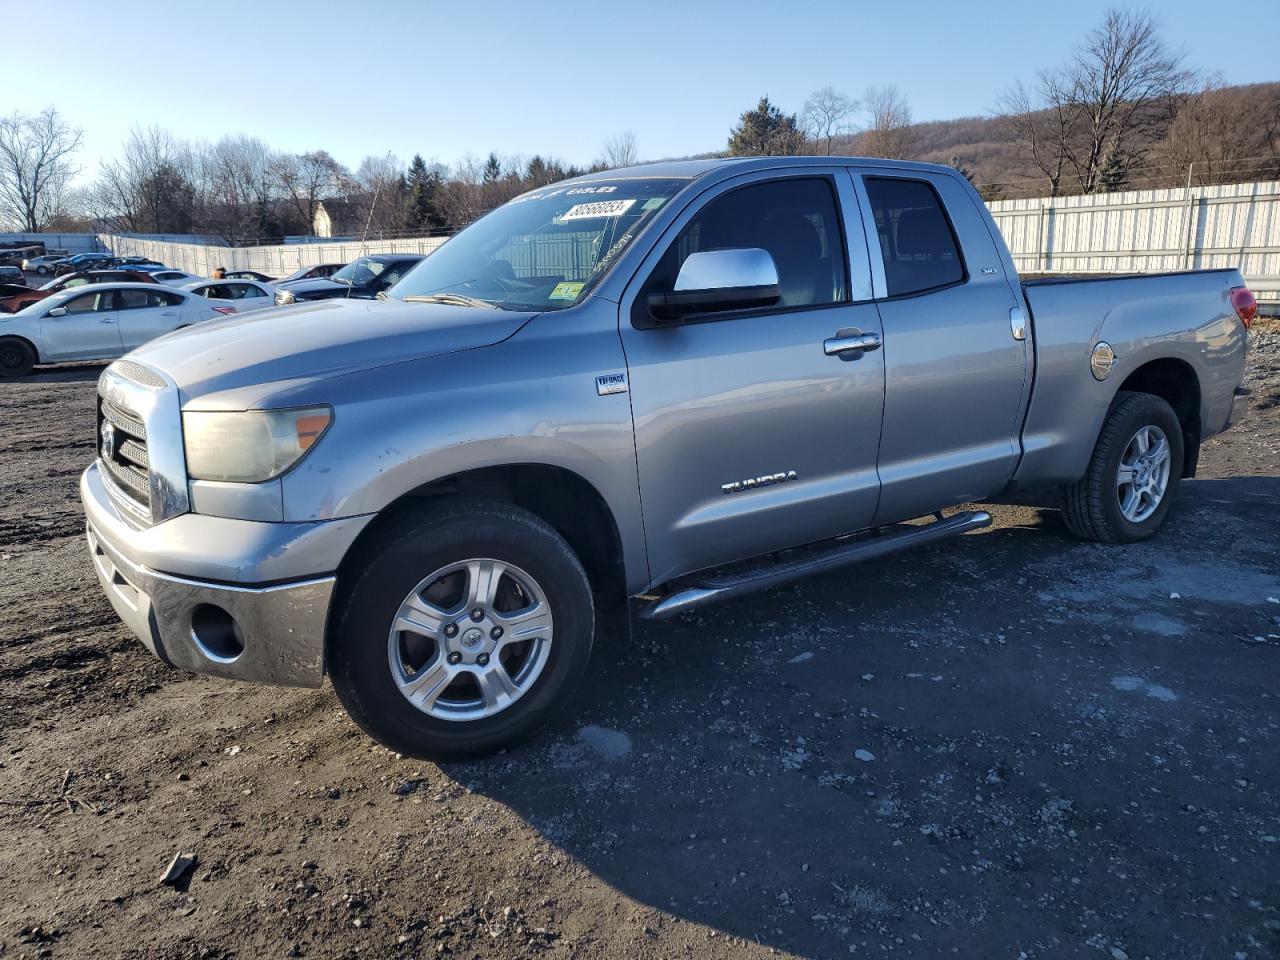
(566, 291)
(653, 203)
(598, 209)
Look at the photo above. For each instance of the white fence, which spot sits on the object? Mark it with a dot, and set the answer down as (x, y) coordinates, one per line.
(1234, 225)
(1142, 231)
(275, 261)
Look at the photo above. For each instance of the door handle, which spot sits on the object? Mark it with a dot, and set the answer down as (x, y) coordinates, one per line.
(168, 313)
(107, 320)
(1017, 323)
(839, 345)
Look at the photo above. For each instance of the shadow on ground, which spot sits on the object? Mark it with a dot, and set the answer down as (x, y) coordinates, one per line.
(1011, 742)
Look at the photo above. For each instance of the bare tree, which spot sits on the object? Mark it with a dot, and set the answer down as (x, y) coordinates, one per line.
(384, 202)
(35, 166)
(238, 186)
(827, 115)
(1121, 71)
(889, 133)
(1220, 135)
(151, 187)
(1095, 116)
(308, 178)
(1044, 123)
(621, 151)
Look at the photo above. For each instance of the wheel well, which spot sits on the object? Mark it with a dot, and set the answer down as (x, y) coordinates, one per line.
(560, 497)
(1176, 383)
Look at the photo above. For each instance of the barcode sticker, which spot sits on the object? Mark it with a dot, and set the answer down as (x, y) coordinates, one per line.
(594, 211)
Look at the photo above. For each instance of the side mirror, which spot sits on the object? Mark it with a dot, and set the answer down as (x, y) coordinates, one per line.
(716, 280)
(57, 312)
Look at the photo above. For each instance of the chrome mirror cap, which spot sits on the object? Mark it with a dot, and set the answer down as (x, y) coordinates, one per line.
(727, 269)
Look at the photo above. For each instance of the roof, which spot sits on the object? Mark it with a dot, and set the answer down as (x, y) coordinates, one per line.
(696, 169)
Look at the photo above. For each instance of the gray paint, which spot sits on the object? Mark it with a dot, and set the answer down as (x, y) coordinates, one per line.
(949, 410)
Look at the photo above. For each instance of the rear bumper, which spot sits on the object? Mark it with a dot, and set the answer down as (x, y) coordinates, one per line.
(263, 632)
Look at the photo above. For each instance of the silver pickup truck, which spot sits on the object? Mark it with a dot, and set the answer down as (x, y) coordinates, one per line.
(651, 388)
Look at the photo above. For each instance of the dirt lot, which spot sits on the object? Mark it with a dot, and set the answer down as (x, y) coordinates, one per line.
(1071, 753)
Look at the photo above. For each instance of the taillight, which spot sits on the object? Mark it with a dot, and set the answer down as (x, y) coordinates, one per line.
(225, 311)
(1245, 303)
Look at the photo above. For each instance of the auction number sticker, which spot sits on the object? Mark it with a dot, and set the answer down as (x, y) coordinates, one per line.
(566, 291)
(598, 209)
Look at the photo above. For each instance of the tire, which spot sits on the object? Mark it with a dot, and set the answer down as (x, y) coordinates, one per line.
(16, 358)
(368, 660)
(1100, 506)
(42, 271)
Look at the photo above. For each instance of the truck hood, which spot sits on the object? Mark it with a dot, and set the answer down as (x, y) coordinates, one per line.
(240, 361)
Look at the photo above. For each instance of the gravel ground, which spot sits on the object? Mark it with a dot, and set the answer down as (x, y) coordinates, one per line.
(1013, 745)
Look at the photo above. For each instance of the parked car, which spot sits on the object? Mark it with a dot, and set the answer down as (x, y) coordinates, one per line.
(68, 280)
(12, 275)
(175, 278)
(10, 293)
(139, 262)
(81, 261)
(361, 279)
(319, 271)
(99, 323)
(248, 275)
(42, 265)
(793, 363)
(246, 295)
(72, 280)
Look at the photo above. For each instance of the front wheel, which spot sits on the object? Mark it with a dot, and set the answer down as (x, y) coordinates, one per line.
(42, 271)
(467, 627)
(16, 357)
(1132, 478)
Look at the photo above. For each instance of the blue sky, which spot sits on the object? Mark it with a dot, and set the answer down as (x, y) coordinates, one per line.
(555, 78)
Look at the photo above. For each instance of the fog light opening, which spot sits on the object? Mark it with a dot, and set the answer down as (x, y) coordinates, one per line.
(216, 633)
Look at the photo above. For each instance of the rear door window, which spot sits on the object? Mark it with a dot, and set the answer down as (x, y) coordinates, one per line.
(917, 241)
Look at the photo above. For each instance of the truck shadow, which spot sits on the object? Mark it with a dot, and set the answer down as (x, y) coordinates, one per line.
(865, 760)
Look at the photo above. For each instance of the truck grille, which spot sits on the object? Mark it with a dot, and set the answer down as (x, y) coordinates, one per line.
(122, 449)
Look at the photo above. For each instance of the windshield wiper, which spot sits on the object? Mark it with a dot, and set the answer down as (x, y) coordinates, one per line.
(457, 299)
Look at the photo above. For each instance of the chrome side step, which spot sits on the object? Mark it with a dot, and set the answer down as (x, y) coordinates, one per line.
(716, 588)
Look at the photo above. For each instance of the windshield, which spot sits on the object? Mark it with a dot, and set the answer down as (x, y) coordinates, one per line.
(541, 251)
(359, 272)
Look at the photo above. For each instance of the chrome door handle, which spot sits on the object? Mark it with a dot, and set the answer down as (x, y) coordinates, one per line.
(835, 346)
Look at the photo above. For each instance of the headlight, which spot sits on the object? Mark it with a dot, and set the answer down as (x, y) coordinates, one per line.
(283, 297)
(250, 446)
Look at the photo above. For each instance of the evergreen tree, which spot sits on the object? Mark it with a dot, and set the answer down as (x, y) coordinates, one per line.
(492, 171)
(766, 131)
(423, 209)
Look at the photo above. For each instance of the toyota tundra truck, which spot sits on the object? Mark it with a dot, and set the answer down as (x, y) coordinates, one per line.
(639, 391)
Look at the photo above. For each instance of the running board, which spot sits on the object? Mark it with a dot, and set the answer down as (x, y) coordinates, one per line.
(842, 554)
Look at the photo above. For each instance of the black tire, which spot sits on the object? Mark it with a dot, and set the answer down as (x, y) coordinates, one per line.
(16, 358)
(1092, 510)
(391, 567)
(42, 271)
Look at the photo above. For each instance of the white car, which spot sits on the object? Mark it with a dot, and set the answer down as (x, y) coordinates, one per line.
(175, 278)
(41, 265)
(102, 322)
(244, 295)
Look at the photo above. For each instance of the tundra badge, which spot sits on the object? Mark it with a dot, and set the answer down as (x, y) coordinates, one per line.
(737, 486)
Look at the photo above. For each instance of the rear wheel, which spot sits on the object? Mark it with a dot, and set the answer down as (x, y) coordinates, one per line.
(42, 271)
(470, 624)
(1132, 478)
(16, 357)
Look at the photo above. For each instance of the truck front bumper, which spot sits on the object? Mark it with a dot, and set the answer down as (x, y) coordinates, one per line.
(241, 599)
